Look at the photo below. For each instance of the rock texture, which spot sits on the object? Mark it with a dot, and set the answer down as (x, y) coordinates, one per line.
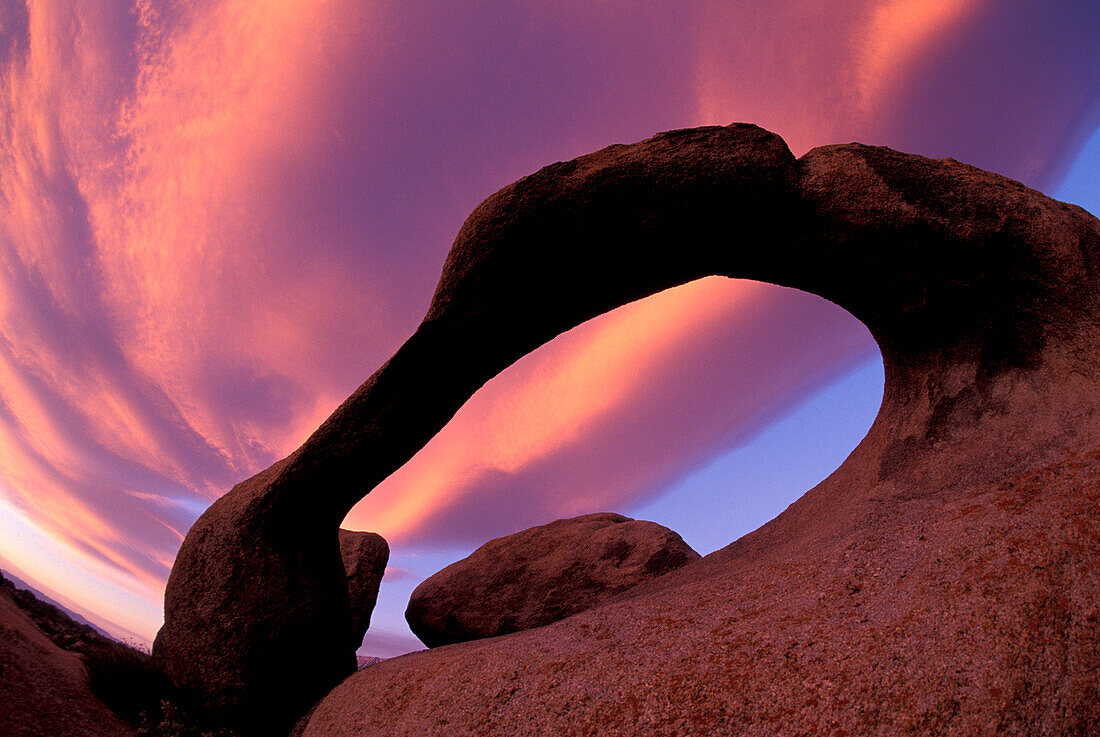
(541, 575)
(44, 689)
(944, 580)
(365, 555)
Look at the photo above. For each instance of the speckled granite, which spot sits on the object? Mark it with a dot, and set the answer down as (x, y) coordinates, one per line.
(942, 581)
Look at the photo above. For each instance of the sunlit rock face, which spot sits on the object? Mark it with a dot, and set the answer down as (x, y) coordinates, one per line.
(541, 575)
(941, 581)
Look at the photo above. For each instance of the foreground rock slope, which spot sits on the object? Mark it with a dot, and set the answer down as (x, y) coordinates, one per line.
(44, 689)
(541, 575)
(944, 580)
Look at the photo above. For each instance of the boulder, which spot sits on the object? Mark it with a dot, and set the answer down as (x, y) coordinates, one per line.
(257, 612)
(541, 575)
(940, 582)
(365, 555)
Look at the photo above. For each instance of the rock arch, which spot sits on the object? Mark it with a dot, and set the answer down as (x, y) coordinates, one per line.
(982, 295)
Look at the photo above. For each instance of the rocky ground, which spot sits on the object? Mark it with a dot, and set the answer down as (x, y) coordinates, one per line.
(44, 684)
(974, 613)
(63, 678)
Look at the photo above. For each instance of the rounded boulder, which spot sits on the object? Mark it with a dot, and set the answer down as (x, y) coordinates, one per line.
(541, 575)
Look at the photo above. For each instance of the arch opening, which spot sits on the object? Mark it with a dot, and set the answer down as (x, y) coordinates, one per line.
(708, 408)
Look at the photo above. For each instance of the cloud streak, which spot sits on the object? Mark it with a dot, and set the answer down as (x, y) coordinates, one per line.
(613, 411)
(217, 218)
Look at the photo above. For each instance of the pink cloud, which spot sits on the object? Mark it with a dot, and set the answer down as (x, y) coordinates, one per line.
(217, 218)
(397, 573)
(614, 410)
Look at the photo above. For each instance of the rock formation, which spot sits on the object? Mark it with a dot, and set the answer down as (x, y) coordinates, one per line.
(365, 555)
(942, 581)
(541, 575)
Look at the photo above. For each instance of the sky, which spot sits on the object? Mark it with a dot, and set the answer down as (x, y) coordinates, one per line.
(218, 217)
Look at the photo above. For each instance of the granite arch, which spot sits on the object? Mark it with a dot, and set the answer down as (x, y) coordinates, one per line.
(982, 295)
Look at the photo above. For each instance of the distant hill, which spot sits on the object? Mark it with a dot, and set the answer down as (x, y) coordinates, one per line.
(59, 676)
(56, 622)
(52, 674)
(365, 661)
(20, 584)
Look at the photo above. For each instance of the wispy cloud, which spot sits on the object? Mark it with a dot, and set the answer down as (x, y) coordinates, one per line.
(612, 411)
(217, 218)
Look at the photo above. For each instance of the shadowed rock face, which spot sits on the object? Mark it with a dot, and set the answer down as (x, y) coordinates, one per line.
(943, 580)
(365, 555)
(541, 575)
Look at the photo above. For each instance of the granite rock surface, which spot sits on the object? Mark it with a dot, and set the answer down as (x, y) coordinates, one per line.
(365, 555)
(944, 580)
(540, 575)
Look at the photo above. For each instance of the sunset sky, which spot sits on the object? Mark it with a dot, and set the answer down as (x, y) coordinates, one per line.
(218, 217)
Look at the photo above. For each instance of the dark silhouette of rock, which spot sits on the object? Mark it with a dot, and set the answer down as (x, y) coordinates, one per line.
(257, 614)
(365, 555)
(942, 580)
(541, 575)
